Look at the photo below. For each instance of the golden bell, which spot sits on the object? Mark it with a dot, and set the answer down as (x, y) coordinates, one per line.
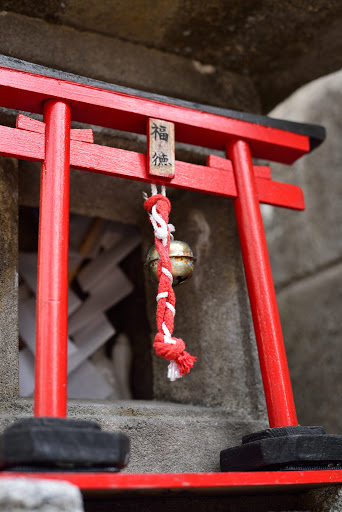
(182, 262)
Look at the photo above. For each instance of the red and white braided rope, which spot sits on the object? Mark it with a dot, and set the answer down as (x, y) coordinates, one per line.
(172, 349)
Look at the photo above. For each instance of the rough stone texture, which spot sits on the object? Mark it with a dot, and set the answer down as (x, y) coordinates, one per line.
(306, 255)
(325, 500)
(280, 45)
(311, 317)
(165, 437)
(123, 63)
(316, 233)
(9, 384)
(25, 495)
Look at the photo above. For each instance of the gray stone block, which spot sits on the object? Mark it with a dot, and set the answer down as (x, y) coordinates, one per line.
(280, 48)
(25, 495)
(311, 317)
(165, 437)
(114, 60)
(301, 243)
(328, 499)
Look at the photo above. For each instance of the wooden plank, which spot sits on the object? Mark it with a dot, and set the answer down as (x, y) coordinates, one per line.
(193, 177)
(284, 195)
(131, 165)
(83, 135)
(218, 162)
(106, 262)
(214, 483)
(115, 162)
(26, 91)
(88, 339)
(315, 132)
(29, 124)
(33, 125)
(22, 144)
(26, 372)
(161, 148)
(108, 291)
(86, 382)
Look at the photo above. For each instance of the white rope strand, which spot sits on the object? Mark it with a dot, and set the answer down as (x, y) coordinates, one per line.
(162, 295)
(171, 308)
(168, 274)
(154, 190)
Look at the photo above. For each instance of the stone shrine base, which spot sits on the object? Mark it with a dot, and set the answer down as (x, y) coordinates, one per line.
(165, 437)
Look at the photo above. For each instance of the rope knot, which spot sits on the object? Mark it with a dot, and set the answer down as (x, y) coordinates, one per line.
(163, 206)
(168, 350)
(174, 350)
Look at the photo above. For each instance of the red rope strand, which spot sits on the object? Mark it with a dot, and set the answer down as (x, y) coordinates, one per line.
(172, 349)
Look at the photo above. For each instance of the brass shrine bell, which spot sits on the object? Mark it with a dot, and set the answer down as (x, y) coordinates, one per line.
(182, 262)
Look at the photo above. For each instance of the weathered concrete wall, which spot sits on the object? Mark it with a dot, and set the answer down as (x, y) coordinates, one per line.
(280, 45)
(306, 256)
(113, 60)
(9, 383)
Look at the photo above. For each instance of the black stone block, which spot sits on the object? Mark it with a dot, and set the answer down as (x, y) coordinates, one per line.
(62, 444)
(285, 448)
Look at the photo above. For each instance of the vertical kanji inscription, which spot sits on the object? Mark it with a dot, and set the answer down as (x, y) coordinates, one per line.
(161, 148)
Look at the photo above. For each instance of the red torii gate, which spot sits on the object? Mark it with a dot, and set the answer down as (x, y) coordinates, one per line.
(57, 147)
